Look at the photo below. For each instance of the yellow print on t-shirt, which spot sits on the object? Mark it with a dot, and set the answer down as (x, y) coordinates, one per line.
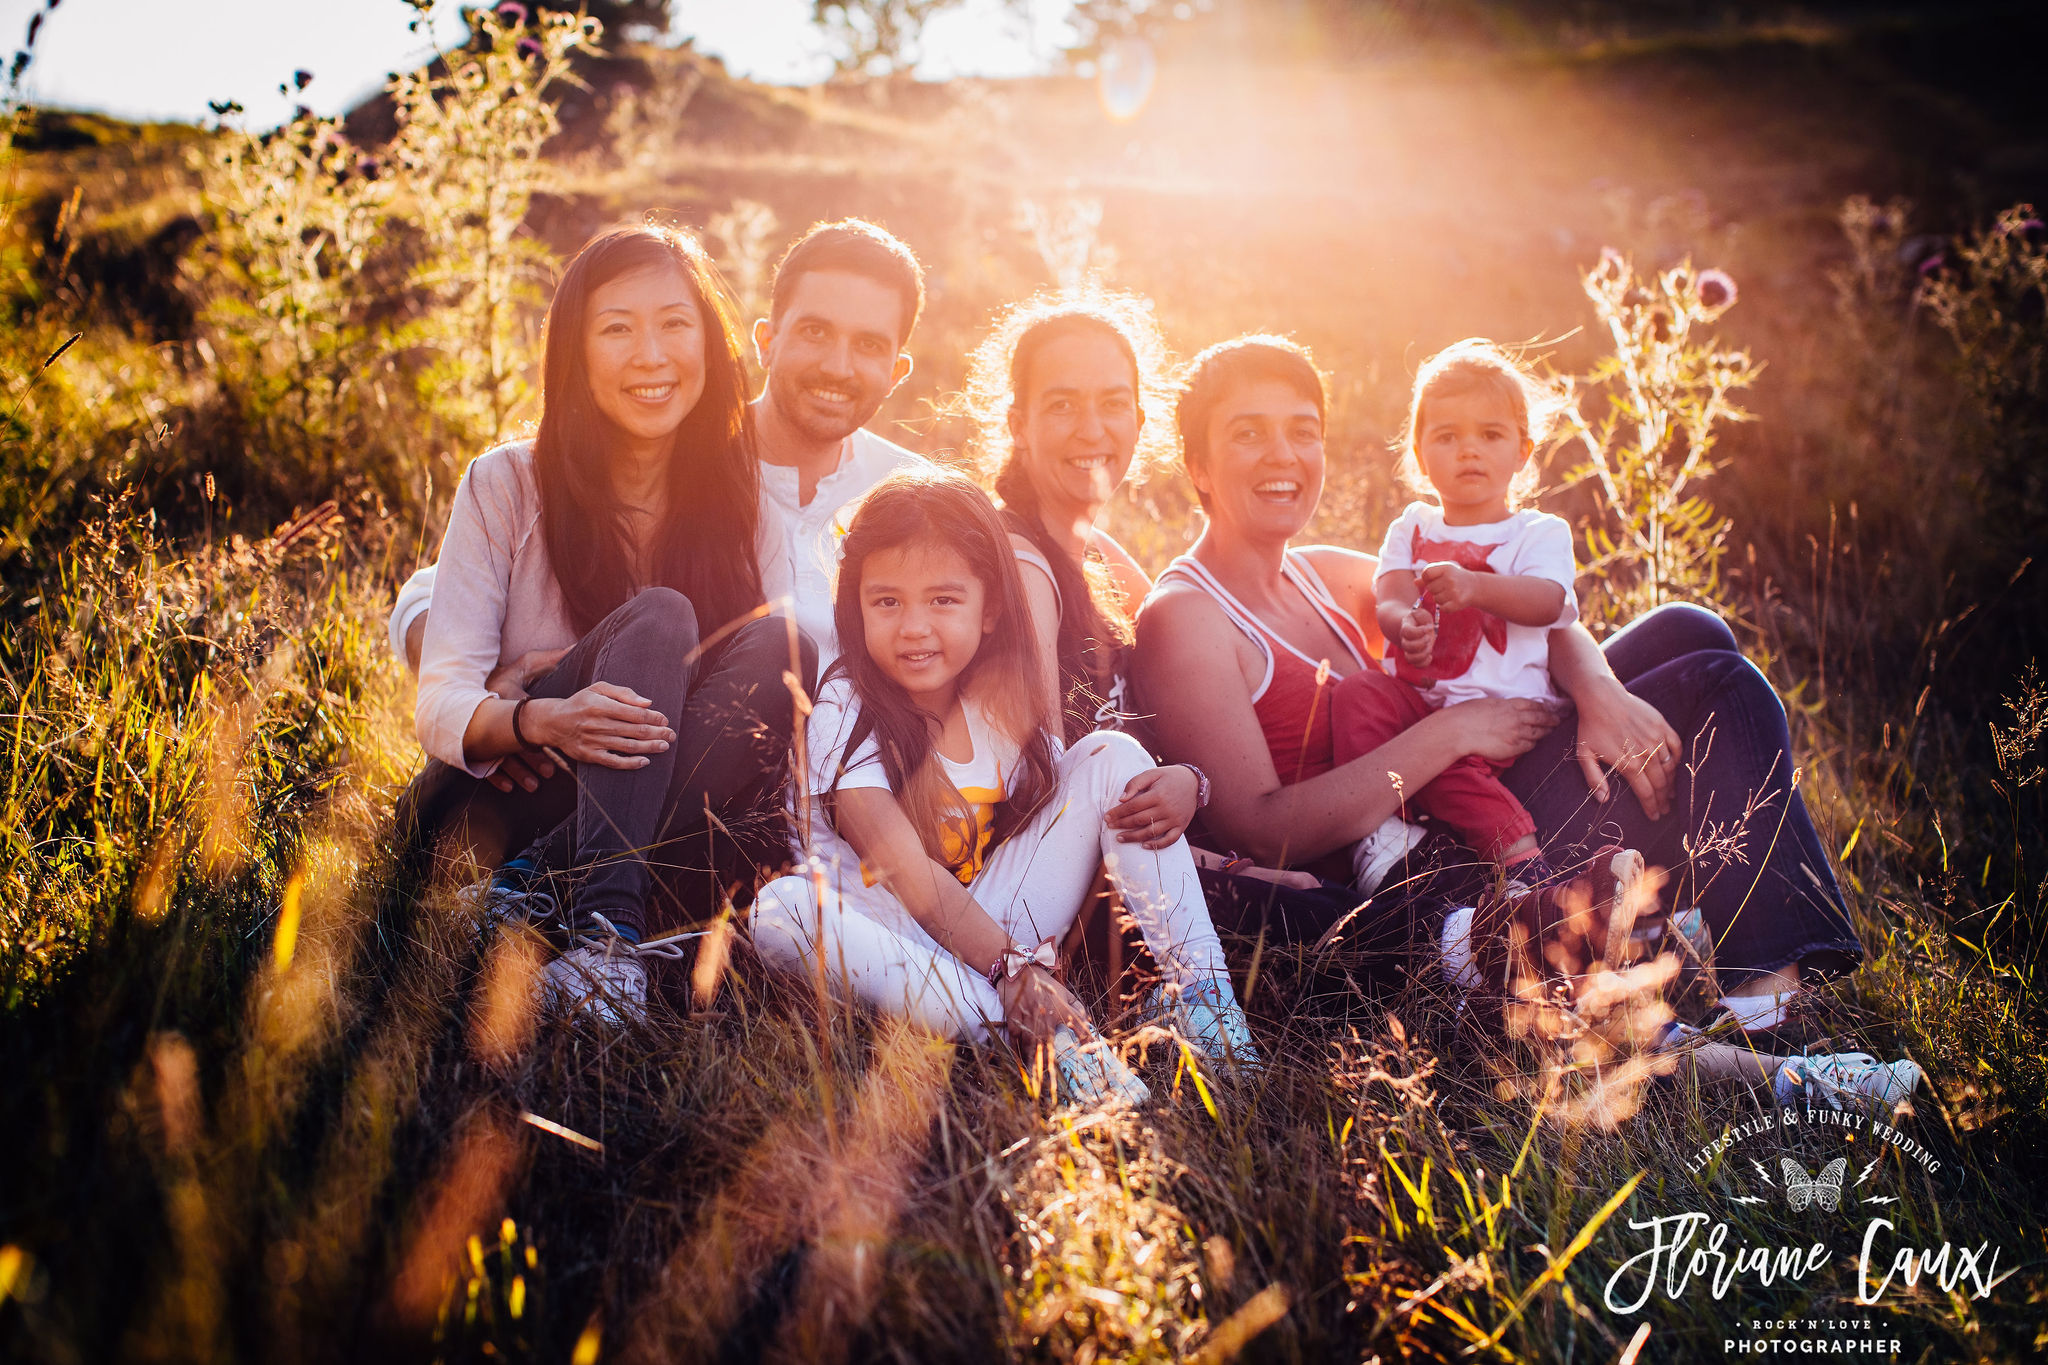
(963, 856)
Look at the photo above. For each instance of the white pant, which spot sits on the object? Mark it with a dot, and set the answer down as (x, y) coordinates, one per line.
(1033, 885)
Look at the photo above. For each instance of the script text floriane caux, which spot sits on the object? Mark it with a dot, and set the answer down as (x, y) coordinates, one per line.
(1677, 1255)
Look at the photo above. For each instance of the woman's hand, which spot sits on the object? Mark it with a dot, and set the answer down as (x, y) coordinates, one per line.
(528, 769)
(1036, 1006)
(1502, 729)
(1621, 733)
(1156, 807)
(613, 727)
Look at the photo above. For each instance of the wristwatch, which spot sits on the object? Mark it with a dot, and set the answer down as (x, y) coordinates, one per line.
(1016, 958)
(1201, 785)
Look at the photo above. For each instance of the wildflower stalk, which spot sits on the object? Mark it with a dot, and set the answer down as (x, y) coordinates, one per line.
(1667, 392)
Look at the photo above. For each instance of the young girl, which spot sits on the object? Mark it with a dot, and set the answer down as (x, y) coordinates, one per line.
(1468, 590)
(951, 839)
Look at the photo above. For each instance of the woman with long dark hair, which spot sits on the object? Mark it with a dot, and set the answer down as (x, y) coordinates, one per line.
(627, 536)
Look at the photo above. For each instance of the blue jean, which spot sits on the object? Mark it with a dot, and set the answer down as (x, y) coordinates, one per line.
(1738, 841)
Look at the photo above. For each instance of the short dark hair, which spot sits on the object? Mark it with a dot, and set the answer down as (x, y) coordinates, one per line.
(1214, 371)
(858, 248)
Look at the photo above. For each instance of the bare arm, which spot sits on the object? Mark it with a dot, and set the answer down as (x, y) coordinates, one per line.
(873, 822)
(1517, 598)
(1190, 672)
(1044, 602)
(415, 640)
(1125, 573)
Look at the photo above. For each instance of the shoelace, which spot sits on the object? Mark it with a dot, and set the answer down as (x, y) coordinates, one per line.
(608, 940)
(511, 904)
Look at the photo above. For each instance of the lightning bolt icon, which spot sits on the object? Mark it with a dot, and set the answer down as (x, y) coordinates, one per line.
(1761, 1171)
(1868, 1169)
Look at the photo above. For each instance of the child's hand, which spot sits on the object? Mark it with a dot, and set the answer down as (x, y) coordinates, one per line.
(1156, 807)
(1452, 585)
(1036, 1005)
(1418, 638)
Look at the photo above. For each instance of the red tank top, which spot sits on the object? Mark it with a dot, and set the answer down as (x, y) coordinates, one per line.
(1293, 703)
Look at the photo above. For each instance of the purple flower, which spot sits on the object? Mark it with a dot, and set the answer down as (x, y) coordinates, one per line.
(1717, 289)
(528, 48)
(1933, 266)
(511, 14)
(369, 168)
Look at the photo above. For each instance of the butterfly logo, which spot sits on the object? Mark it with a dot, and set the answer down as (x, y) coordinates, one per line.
(1824, 1189)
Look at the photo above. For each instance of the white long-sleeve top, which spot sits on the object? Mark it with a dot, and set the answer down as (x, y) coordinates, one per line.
(495, 596)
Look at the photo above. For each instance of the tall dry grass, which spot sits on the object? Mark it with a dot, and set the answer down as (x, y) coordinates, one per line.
(274, 1097)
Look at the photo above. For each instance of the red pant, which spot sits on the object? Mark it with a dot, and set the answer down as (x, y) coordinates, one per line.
(1369, 708)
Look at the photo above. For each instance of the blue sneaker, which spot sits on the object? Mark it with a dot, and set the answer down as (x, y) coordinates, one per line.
(1092, 1075)
(512, 895)
(1847, 1080)
(1206, 1014)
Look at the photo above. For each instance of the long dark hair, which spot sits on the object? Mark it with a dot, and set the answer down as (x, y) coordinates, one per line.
(704, 547)
(1094, 631)
(942, 508)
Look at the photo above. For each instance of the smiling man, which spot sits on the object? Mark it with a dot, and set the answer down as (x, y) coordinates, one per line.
(844, 300)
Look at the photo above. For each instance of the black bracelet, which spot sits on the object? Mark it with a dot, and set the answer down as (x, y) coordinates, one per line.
(517, 737)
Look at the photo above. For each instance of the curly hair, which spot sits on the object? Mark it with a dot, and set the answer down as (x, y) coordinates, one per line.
(1094, 629)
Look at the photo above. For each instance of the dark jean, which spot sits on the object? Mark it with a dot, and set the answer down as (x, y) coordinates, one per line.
(625, 832)
(1738, 841)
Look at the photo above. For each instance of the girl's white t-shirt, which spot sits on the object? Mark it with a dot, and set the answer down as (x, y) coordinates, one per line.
(982, 780)
(1505, 659)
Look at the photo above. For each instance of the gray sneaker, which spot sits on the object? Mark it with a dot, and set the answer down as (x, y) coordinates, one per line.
(602, 979)
(511, 895)
(1847, 1080)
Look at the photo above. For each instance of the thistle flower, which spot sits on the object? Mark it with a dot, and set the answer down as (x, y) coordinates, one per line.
(1717, 289)
(527, 48)
(1933, 266)
(512, 14)
(302, 78)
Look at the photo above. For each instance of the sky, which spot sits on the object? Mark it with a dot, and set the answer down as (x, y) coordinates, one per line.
(157, 59)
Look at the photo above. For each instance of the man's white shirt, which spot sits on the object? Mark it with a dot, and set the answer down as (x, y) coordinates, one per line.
(816, 528)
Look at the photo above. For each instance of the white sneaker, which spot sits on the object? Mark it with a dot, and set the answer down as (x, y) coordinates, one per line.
(602, 979)
(1847, 1080)
(1374, 856)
